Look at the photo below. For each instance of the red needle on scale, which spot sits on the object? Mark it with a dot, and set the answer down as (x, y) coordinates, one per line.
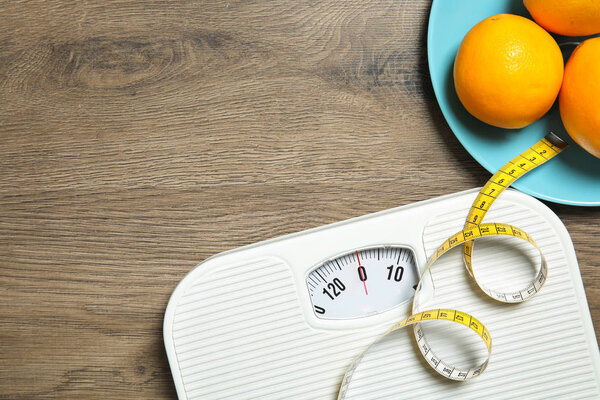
(362, 277)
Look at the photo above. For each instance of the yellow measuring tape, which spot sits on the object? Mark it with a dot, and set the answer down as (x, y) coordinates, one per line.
(536, 155)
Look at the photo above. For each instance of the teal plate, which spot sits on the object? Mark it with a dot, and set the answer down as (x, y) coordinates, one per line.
(573, 177)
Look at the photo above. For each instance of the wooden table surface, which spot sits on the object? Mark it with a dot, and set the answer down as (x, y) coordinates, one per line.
(139, 138)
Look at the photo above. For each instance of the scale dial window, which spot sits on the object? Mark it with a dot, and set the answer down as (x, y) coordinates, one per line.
(363, 282)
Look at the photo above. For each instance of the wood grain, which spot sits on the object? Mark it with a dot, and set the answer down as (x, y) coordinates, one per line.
(138, 138)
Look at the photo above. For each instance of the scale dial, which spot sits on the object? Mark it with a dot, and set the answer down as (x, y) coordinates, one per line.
(363, 282)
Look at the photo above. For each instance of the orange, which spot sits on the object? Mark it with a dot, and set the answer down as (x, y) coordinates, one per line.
(566, 17)
(508, 71)
(579, 99)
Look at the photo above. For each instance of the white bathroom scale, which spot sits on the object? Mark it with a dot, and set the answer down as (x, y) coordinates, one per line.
(283, 318)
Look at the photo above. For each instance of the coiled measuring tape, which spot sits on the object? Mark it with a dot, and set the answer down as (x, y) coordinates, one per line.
(544, 150)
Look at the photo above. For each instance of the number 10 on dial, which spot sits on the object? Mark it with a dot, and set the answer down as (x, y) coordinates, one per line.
(363, 282)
